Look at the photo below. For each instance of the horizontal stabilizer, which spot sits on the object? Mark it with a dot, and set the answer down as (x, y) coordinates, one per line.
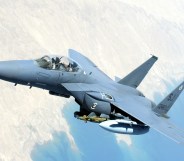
(135, 77)
(165, 105)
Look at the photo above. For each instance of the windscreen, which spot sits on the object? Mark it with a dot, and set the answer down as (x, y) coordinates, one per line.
(58, 63)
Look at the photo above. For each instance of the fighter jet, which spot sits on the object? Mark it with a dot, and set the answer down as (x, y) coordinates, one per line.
(117, 106)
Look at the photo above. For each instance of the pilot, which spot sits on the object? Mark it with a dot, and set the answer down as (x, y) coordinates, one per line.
(66, 64)
(55, 62)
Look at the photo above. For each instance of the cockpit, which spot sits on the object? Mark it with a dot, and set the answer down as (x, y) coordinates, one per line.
(58, 63)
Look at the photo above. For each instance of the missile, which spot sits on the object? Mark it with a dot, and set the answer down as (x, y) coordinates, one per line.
(124, 127)
(95, 119)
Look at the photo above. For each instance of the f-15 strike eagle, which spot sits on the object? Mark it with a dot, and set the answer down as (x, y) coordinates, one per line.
(116, 105)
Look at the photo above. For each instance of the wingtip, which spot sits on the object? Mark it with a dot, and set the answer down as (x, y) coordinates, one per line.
(155, 57)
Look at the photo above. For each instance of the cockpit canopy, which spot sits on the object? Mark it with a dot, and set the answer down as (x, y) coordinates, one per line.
(58, 63)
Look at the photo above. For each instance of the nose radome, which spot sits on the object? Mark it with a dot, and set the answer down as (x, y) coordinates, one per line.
(18, 71)
(9, 70)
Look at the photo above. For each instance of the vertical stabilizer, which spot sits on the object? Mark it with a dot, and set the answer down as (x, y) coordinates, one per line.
(164, 106)
(135, 77)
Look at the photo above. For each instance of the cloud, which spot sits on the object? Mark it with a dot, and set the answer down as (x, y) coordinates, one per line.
(29, 117)
(117, 37)
(123, 138)
(59, 148)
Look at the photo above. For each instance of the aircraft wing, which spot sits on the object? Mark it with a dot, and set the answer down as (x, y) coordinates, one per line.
(137, 107)
(146, 115)
(88, 66)
(81, 87)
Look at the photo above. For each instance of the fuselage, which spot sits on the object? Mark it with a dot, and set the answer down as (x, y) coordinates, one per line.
(41, 74)
(29, 73)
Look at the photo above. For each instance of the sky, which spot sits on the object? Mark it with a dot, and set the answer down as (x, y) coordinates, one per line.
(117, 35)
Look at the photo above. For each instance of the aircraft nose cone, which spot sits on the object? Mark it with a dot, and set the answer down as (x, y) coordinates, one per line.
(8, 70)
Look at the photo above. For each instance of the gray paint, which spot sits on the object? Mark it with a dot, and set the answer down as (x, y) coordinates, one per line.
(92, 89)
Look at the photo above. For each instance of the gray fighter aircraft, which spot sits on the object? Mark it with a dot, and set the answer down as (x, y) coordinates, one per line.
(116, 105)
